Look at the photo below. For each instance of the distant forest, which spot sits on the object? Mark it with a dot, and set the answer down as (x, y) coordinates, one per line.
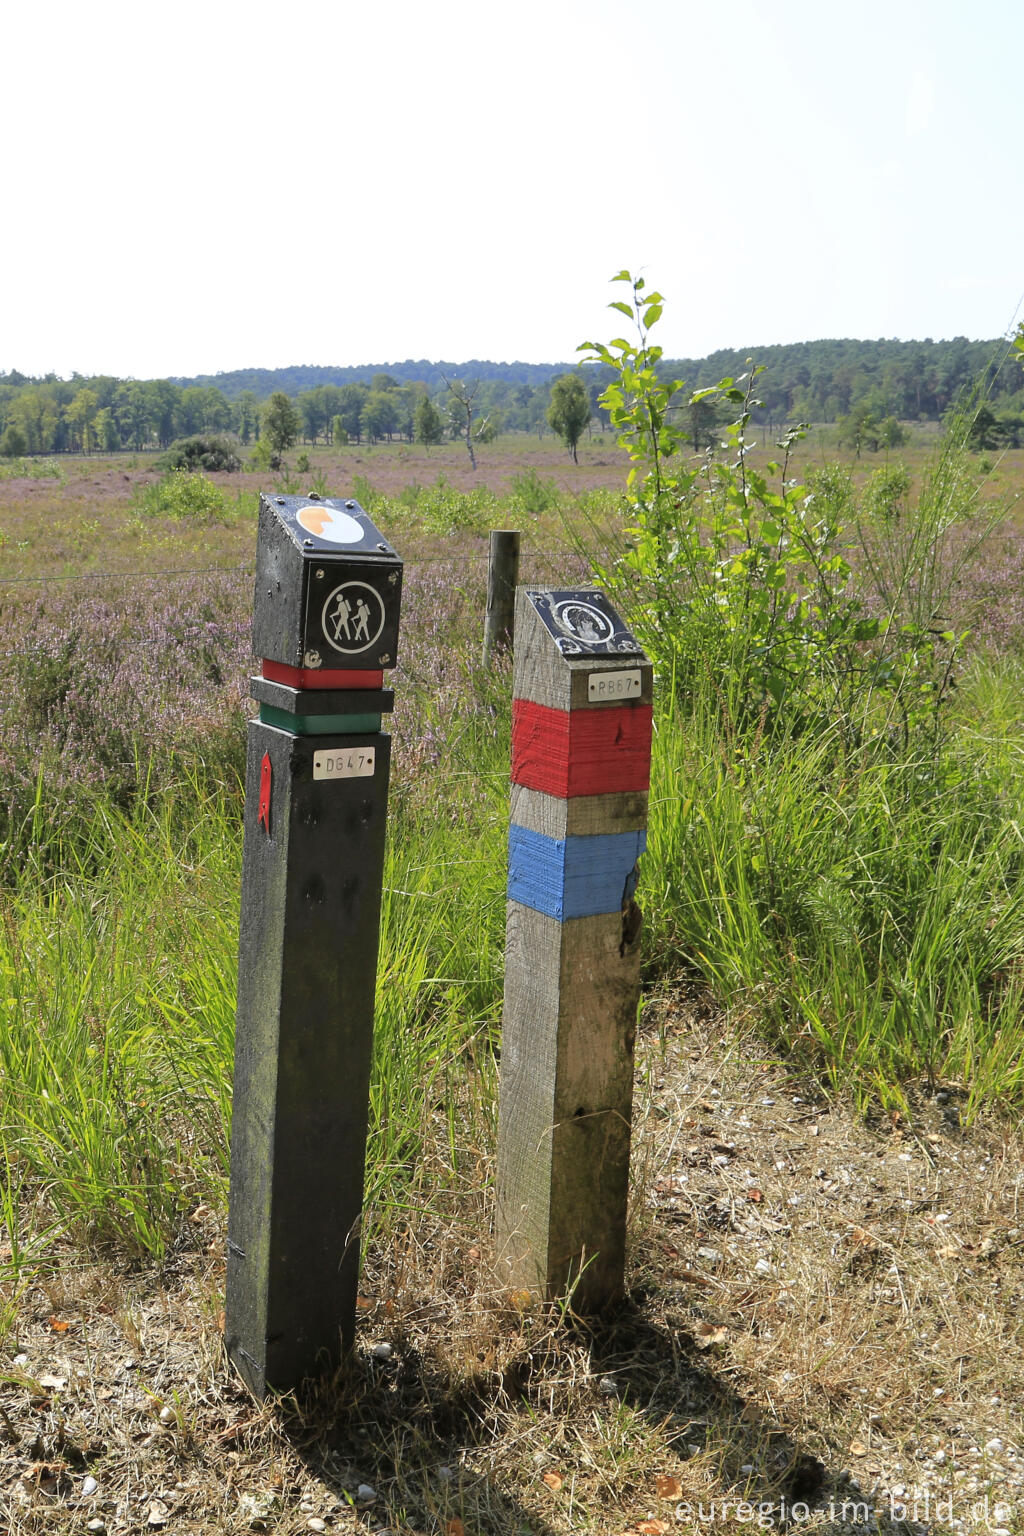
(867, 388)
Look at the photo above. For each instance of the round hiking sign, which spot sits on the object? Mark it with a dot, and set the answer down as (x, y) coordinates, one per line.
(353, 617)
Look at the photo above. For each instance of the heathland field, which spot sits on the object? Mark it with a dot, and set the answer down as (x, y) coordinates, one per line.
(824, 1266)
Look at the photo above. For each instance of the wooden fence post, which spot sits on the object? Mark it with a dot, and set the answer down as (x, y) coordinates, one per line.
(581, 746)
(502, 575)
(325, 625)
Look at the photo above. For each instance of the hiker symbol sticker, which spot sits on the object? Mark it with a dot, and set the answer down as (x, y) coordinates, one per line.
(583, 621)
(353, 618)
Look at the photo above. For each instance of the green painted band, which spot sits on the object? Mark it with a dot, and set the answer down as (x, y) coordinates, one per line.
(319, 725)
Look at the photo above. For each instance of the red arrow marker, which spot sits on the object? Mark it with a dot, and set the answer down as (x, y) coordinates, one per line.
(263, 815)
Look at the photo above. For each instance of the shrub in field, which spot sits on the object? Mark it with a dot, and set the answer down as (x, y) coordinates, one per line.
(263, 456)
(181, 494)
(441, 508)
(364, 493)
(885, 495)
(32, 469)
(204, 452)
(532, 494)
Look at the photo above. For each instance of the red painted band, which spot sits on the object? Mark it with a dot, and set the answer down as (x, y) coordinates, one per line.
(583, 751)
(309, 677)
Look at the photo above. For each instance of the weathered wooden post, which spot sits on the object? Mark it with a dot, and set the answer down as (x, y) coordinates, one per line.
(328, 590)
(502, 575)
(581, 753)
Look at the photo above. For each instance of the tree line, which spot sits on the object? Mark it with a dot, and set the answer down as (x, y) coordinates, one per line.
(866, 387)
(827, 381)
(105, 414)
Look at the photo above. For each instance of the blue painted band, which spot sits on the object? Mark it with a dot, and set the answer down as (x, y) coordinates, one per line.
(573, 876)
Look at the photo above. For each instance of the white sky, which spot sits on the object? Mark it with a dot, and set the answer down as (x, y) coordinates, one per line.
(217, 184)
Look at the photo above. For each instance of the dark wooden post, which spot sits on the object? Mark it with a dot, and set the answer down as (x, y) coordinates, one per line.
(325, 626)
(581, 750)
(502, 575)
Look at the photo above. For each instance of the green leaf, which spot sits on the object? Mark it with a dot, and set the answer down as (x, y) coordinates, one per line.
(623, 308)
(652, 314)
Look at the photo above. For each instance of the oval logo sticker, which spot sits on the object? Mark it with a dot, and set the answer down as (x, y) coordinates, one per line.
(330, 524)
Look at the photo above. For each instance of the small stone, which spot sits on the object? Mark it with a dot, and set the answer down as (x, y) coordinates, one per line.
(316, 1524)
(762, 1267)
(257, 1508)
(709, 1255)
(993, 1446)
(939, 1457)
(446, 1474)
(382, 1351)
(21, 1359)
(157, 1514)
(365, 1493)
(97, 1526)
(608, 1386)
(89, 1487)
(167, 1414)
(747, 1468)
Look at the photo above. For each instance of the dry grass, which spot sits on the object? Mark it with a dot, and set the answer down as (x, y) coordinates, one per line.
(821, 1311)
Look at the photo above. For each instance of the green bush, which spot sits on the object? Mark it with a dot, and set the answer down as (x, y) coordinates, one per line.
(184, 496)
(533, 495)
(204, 452)
(886, 492)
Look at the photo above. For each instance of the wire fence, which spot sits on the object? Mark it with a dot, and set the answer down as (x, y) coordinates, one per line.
(248, 568)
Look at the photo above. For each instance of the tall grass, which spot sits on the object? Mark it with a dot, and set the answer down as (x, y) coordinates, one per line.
(870, 914)
(117, 999)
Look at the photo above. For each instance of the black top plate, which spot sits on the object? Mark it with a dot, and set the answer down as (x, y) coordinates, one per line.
(583, 622)
(330, 525)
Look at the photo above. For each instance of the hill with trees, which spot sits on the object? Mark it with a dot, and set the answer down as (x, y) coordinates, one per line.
(867, 387)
